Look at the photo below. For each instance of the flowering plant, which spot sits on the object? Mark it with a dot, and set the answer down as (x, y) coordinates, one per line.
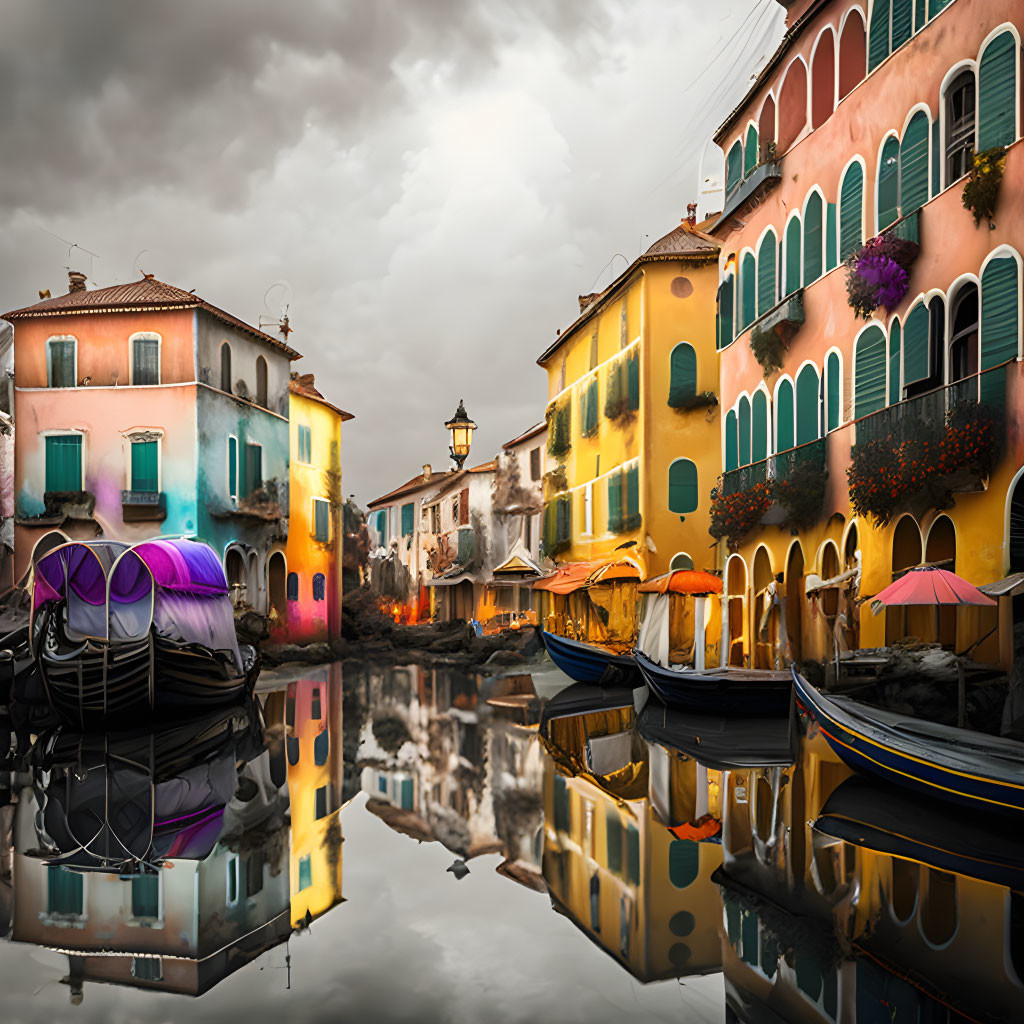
(735, 515)
(801, 491)
(879, 274)
(768, 347)
(981, 191)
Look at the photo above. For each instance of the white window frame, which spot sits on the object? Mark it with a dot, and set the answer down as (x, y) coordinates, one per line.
(312, 518)
(61, 337)
(232, 495)
(147, 336)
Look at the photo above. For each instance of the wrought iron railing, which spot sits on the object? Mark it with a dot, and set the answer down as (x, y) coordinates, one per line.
(780, 466)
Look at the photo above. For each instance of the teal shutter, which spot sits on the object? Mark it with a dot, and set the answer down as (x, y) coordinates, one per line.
(731, 438)
(64, 890)
(253, 467)
(750, 152)
(146, 896)
(784, 435)
(733, 168)
(588, 408)
(1000, 315)
(748, 286)
(914, 165)
(936, 185)
(851, 211)
(832, 391)
(934, 6)
(613, 835)
(632, 509)
(305, 444)
(878, 34)
(812, 239)
(144, 466)
(633, 379)
(682, 375)
(744, 429)
(683, 862)
(64, 462)
(915, 345)
(725, 304)
(997, 93)
(766, 273)
(902, 22)
(869, 372)
(831, 244)
(305, 872)
(793, 256)
(759, 427)
(233, 467)
(895, 351)
(889, 183)
(682, 486)
(920, 17)
(407, 514)
(615, 502)
(807, 405)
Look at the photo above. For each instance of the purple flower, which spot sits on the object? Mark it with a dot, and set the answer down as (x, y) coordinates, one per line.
(885, 277)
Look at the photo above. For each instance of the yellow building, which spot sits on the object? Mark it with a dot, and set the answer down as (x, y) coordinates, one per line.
(633, 434)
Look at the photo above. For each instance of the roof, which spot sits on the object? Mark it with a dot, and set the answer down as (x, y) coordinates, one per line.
(683, 242)
(572, 576)
(537, 428)
(417, 483)
(300, 386)
(137, 297)
(484, 467)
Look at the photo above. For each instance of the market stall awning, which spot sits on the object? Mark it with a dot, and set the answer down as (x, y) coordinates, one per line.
(683, 581)
(573, 576)
(518, 565)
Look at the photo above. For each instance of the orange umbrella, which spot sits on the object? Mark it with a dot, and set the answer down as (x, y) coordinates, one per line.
(683, 581)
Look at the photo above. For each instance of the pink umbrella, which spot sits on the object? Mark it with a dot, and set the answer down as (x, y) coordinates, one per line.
(932, 586)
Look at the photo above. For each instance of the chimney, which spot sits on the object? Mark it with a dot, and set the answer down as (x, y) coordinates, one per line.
(76, 281)
(427, 471)
(691, 214)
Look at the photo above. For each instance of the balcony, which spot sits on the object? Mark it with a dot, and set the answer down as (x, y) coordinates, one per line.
(143, 506)
(62, 506)
(771, 333)
(782, 467)
(907, 228)
(761, 180)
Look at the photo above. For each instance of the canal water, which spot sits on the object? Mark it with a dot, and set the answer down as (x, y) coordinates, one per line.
(417, 844)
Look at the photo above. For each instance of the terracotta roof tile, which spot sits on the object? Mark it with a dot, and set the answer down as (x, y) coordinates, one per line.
(417, 483)
(299, 387)
(537, 428)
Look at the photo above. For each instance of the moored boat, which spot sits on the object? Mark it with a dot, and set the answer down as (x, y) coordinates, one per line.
(587, 663)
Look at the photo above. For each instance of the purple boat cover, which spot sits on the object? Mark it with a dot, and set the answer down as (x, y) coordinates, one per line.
(183, 565)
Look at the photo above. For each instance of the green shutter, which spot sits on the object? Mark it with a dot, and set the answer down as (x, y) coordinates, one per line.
(731, 451)
(914, 165)
(615, 503)
(633, 379)
(233, 467)
(60, 363)
(807, 403)
(812, 239)
(725, 304)
(895, 352)
(407, 517)
(1000, 314)
(750, 152)
(144, 466)
(632, 509)
(613, 834)
(869, 372)
(851, 211)
(305, 444)
(588, 408)
(766, 273)
(878, 34)
(759, 427)
(682, 487)
(64, 462)
(902, 22)
(784, 436)
(997, 93)
(734, 167)
(748, 286)
(920, 17)
(744, 431)
(64, 890)
(146, 896)
(889, 183)
(682, 384)
(915, 345)
(683, 862)
(305, 872)
(633, 854)
(145, 361)
(936, 185)
(832, 391)
(831, 243)
(934, 6)
(793, 256)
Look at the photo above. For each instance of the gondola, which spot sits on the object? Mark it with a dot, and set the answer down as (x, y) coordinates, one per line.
(121, 632)
(721, 691)
(945, 763)
(587, 663)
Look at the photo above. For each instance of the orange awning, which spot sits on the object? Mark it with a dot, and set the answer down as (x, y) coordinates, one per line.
(683, 581)
(573, 576)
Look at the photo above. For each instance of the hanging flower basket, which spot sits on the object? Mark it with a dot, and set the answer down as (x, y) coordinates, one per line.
(768, 347)
(801, 492)
(879, 275)
(981, 190)
(733, 516)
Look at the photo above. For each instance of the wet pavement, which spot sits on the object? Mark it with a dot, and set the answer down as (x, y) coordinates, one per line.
(418, 844)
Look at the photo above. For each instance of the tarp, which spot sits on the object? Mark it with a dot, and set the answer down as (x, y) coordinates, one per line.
(572, 576)
(683, 581)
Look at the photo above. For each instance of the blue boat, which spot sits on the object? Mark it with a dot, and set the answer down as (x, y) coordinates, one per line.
(720, 691)
(586, 663)
(945, 763)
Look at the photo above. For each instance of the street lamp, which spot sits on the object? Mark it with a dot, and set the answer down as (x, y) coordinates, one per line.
(461, 427)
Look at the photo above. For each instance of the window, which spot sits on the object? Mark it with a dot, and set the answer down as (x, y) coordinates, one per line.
(145, 461)
(683, 862)
(61, 362)
(833, 391)
(823, 79)
(869, 372)
(1000, 316)
(915, 345)
(588, 508)
(321, 747)
(622, 387)
(233, 469)
(743, 418)
(750, 151)
(682, 487)
(895, 359)
(807, 405)
(766, 254)
(292, 587)
(759, 427)
(253, 467)
(914, 164)
(785, 416)
(535, 463)
(254, 864)
(305, 873)
(145, 359)
(624, 500)
(681, 561)
(305, 443)
(261, 381)
(682, 375)
(963, 342)
(960, 117)
(225, 367)
(851, 211)
(812, 238)
(793, 256)
(319, 586)
(408, 514)
(731, 441)
(231, 881)
(64, 891)
(146, 896)
(748, 290)
(997, 93)
(595, 893)
(64, 462)
(588, 408)
(725, 307)
(734, 168)
(147, 968)
(320, 803)
(888, 183)
(852, 53)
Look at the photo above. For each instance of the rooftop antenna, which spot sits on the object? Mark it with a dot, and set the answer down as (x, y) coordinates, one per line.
(281, 321)
(138, 269)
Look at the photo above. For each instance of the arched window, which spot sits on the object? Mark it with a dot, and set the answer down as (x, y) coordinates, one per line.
(750, 152)
(914, 164)
(748, 290)
(997, 93)
(915, 345)
(792, 105)
(319, 586)
(888, 183)
(682, 487)
(680, 561)
(277, 584)
(793, 256)
(734, 167)
(895, 360)
(261, 381)
(731, 441)
(812, 238)
(852, 53)
(823, 79)
(766, 123)
(851, 211)
(807, 404)
(725, 307)
(785, 433)
(963, 340)
(1000, 316)
(833, 390)
(766, 252)
(293, 586)
(225, 367)
(682, 375)
(759, 426)
(960, 126)
(683, 862)
(878, 35)
(744, 430)
(869, 372)
(902, 22)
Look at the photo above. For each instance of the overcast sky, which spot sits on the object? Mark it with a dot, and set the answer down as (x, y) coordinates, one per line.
(429, 183)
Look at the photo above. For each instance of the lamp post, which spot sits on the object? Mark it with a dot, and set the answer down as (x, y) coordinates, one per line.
(461, 427)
